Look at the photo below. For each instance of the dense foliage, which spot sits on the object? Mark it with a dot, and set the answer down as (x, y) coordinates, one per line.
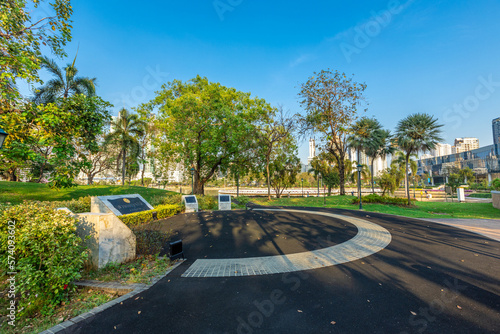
(47, 252)
(375, 198)
(25, 27)
(207, 127)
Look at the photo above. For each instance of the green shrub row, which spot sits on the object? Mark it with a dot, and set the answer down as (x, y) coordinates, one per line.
(163, 211)
(41, 246)
(78, 205)
(375, 198)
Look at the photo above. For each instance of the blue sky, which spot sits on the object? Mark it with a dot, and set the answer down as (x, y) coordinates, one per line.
(438, 57)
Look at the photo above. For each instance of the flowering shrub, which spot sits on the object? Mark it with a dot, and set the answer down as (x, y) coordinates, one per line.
(48, 254)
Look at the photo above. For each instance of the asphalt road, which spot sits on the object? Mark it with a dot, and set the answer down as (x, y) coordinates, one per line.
(431, 278)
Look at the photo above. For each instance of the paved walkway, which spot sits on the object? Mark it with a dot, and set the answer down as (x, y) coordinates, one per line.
(431, 278)
(487, 227)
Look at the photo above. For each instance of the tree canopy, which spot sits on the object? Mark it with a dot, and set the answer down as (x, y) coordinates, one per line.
(331, 100)
(21, 39)
(206, 126)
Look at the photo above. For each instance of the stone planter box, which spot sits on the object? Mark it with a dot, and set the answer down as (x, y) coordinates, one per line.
(495, 195)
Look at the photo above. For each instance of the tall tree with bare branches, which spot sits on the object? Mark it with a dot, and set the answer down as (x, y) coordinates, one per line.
(331, 100)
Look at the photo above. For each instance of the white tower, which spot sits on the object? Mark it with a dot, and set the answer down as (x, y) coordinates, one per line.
(312, 150)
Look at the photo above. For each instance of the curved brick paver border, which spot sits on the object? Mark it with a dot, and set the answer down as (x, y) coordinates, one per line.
(371, 238)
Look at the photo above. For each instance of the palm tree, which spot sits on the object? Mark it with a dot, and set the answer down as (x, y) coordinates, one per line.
(64, 84)
(366, 136)
(126, 129)
(381, 147)
(417, 132)
(399, 162)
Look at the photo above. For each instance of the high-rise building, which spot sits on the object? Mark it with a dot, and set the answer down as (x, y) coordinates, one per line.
(496, 131)
(312, 150)
(440, 150)
(465, 144)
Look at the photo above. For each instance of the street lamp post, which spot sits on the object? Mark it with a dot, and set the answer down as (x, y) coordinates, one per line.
(3, 135)
(192, 181)
(359, 186)
(302, 179)
(319, 176)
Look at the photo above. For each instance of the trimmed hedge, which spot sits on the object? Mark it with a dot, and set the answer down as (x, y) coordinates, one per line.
(375, 198)
(78, 205)
(163, 211)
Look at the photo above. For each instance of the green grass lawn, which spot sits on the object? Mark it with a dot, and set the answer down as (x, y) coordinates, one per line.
(421, 209)
(16, 192)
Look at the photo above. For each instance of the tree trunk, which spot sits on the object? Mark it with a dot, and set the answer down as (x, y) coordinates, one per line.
(12, 174)
(90, 179)
(142, 174)
(373, 187)
(268, 182)
(406, 179)
(124, 152)
(341, 177)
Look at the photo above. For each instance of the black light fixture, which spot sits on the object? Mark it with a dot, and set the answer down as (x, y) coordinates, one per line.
(176, 251)
(3, 135)
(360, 168)
(302, 179)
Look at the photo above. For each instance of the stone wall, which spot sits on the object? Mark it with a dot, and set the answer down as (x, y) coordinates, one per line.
(110, 239)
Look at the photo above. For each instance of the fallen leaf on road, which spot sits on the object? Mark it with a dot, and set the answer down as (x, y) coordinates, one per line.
(333, 322)
(139, 312)
(413, 313)
(459, 307)
(300, 311)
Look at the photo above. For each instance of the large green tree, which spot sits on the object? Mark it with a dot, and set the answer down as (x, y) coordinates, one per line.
(127, 128)
(206, 126)
(49, 137)
(65, 83)
(22, 37)
(417, 132)
(331, 100)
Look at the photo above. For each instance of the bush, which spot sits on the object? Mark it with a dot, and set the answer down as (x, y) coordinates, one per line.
(78, 205)
(48, 254)
(495, 184)
(242, 200)
(139, 218)
(207, 202)
(150, 242)
(375, 198)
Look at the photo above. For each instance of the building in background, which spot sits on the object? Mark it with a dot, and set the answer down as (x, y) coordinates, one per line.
(378, 165)
(312, 151)
(496, 131)
(484, 162)
(465, 144)
(440, 150)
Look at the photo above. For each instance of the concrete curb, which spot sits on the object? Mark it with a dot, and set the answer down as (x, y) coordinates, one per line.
(133, 289)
